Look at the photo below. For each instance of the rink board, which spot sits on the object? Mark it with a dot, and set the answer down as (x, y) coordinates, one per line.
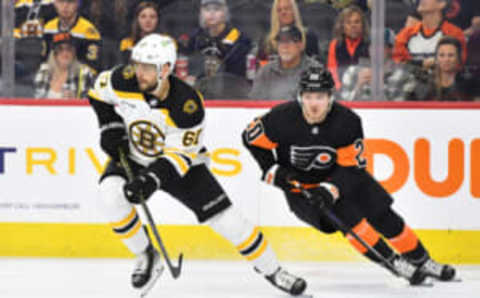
(200, 242)
(50, 161)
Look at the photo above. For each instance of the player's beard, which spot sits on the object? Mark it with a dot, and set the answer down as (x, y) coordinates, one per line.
(150, 88)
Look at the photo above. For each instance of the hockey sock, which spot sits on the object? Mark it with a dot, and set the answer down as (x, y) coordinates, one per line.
(248, 240)
(123, 217)
(400, 236)
(408, 244)
(367, 233)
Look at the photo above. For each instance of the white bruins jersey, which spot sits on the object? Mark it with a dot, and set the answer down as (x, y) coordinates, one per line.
(171, 128)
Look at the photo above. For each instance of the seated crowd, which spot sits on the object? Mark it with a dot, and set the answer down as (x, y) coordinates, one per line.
(254, 49)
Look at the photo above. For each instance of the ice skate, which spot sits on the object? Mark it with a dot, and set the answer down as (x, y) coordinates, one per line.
(287, 282)
(148, 269)
(408, 271)
(438, 271)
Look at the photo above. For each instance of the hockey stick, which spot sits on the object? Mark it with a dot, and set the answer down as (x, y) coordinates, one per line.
(339, 223)
(174, 270)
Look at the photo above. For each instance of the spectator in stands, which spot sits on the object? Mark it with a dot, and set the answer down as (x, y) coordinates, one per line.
(30, 17)
(276, 80)
(146, 21)
(283, 13)
(416, 44)
(63, 76)
(217, 46)
(357, 79)
(350, 43)
(87, 38)
(448, 83)
(463, 13)
(110, 17)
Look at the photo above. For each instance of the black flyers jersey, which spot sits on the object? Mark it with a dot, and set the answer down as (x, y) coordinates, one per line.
(283, 137)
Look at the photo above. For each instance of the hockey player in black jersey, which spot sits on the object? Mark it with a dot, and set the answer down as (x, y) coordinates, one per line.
(319, 143)
(158, 120)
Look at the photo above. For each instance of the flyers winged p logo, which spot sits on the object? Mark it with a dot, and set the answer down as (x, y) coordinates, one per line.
(313, 157)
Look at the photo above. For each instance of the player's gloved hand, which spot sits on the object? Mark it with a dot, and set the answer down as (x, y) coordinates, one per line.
(280, 177)
(323, 196)
(144, 184)
(113, 140)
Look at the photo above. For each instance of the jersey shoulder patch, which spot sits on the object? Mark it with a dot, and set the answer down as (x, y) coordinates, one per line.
(185, 104)
(124, 79)
(190, 106)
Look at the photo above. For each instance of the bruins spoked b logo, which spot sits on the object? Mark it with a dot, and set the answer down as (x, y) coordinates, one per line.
(147, 138)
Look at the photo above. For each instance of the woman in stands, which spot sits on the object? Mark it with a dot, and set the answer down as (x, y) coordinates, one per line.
(146, 21)
(351, 41)
(63, 76)
(284, 13)
(449, 83)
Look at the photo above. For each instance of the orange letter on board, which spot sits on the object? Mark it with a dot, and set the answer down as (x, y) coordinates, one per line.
(456, 171)
(395, 152)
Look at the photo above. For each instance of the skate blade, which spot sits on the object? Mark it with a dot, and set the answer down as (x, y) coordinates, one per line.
(457, 279)
(424, 285)
(427, 283)
(156, 273)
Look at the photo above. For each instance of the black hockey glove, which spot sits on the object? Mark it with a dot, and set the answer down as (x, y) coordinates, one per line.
(113, 140)
(144, 184)
(323, 196)
(282, 178)
(279, 176)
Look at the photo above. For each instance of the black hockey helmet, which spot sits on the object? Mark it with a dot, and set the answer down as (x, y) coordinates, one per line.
(315, 79)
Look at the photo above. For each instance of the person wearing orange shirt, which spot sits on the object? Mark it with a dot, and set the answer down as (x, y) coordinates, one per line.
(416, 44)
(351, 42)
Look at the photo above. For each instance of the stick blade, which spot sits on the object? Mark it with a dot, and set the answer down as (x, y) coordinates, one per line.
(177, 270)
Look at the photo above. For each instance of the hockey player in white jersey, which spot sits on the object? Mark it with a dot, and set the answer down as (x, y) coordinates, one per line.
(159, 121)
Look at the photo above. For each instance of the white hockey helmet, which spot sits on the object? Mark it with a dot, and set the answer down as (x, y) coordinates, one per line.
(156, 49)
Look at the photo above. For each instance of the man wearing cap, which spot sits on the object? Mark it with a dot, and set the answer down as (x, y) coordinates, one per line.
(278, 78)
(222, 46)
(86, 36)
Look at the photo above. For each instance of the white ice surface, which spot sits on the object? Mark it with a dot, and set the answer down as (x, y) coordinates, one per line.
(105, 278)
